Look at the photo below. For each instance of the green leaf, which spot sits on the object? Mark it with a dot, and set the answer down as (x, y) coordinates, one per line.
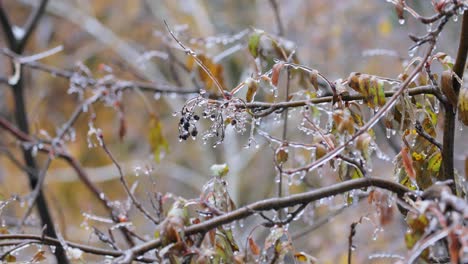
(435, 161)
(254, 42)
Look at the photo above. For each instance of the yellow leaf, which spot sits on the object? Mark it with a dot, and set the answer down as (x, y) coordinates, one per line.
(158, 143)
(385, 27)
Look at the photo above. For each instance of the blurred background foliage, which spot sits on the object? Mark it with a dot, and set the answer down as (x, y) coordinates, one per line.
(333, 36)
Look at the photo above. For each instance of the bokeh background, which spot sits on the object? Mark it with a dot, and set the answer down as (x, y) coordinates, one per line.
(336, 37)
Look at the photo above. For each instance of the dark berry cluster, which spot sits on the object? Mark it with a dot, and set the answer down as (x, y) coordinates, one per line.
(187, 126)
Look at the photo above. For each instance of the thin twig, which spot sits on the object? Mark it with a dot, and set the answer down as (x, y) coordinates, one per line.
(279, 22)
(38, 239)
(135, 201)
(37, 189)
(197, 60)
(425, 135)
(320, 222)
(30, 25)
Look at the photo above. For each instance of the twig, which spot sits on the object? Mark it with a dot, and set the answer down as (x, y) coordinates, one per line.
(30, 25)
(16, 247)
(37, 189)
(135, 201)
(279, 22)
(38, 239)
(425, 135)
(125, 84)
(197, 60)
(320, 222)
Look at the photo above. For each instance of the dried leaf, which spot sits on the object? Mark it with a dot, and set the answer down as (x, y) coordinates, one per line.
(215, 69)
(10, 258)
(446, 85)
(253, 246)
(158, 143)
(314, 79)
(122, 128)
(275, 73)
(38, 257)
(281, 155)
(408, 163)
(304, 257)
(252, 87)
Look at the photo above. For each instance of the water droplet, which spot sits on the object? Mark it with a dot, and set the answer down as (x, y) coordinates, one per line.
(401, 21)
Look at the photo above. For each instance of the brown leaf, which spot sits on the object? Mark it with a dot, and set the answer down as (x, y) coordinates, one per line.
(254, 247)
(275, 72)
(408, 163)
(39, 256)
(252, 87)
(314, 79)
(122, 128)
(446, 85)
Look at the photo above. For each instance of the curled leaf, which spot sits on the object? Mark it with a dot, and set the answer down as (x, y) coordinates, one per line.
(253, 246)
(252, 87)
(275, 72)
(446, 85)
(314, 79)
(281, 155)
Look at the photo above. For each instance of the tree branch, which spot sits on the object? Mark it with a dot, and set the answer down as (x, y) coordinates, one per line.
(279, 203)
(30, 25)
(451, 110)
(38, 239)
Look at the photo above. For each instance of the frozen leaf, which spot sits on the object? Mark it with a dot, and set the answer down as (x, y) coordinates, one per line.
(253, 246)
(314, 79)
(158, 142)
(254, 42)
(463, 106)
(434, 162)
(39, 256)
(446, 85)
(304, 257)
(275, 73)
(353, 81)
(10, 258)
(281, 155)
(252, 87)
(219, 170)
(417, 225)
(408, 163)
